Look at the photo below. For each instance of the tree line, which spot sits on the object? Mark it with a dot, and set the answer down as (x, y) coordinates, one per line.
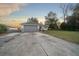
(71, 22)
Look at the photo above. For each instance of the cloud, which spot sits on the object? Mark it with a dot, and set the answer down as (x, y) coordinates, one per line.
(6, 9)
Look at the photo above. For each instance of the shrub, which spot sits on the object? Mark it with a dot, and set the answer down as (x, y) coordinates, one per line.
(53, 27)
(63, 26)
(68, 27)
(3, 28)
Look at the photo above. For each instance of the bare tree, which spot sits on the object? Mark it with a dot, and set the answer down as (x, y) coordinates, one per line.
(65, 7)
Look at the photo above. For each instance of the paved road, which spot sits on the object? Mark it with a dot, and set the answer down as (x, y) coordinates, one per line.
(7, 37)
(38, 44)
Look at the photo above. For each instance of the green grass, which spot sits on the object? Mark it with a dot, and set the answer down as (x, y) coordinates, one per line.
(66, 35)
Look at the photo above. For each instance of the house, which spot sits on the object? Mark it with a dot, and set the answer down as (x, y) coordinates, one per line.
(12, 29)
(29, 27)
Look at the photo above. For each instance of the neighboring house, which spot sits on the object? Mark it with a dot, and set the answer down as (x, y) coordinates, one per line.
(12, 29)
(29, 27)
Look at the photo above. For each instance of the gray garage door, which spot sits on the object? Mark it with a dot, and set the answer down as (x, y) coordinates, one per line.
(30, 28)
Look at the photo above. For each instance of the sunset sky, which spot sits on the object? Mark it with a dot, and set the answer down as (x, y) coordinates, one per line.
(15, 14)
(37, 9)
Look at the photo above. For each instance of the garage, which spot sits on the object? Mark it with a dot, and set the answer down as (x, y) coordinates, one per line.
(30, 27)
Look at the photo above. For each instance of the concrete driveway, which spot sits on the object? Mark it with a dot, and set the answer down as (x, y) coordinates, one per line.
(38, 44)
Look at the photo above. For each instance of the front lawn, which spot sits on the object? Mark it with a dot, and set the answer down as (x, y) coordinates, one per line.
(66, 35)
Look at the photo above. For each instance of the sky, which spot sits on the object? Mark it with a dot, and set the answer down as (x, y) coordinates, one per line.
(18, 12)
(38, 9)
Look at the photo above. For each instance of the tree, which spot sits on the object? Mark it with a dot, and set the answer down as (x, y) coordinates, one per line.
(76, 15)
(32, 20)
(73, 20)
(63, 26)
(71, 23)
(76, 8)
(66, 7)
(51, 20)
